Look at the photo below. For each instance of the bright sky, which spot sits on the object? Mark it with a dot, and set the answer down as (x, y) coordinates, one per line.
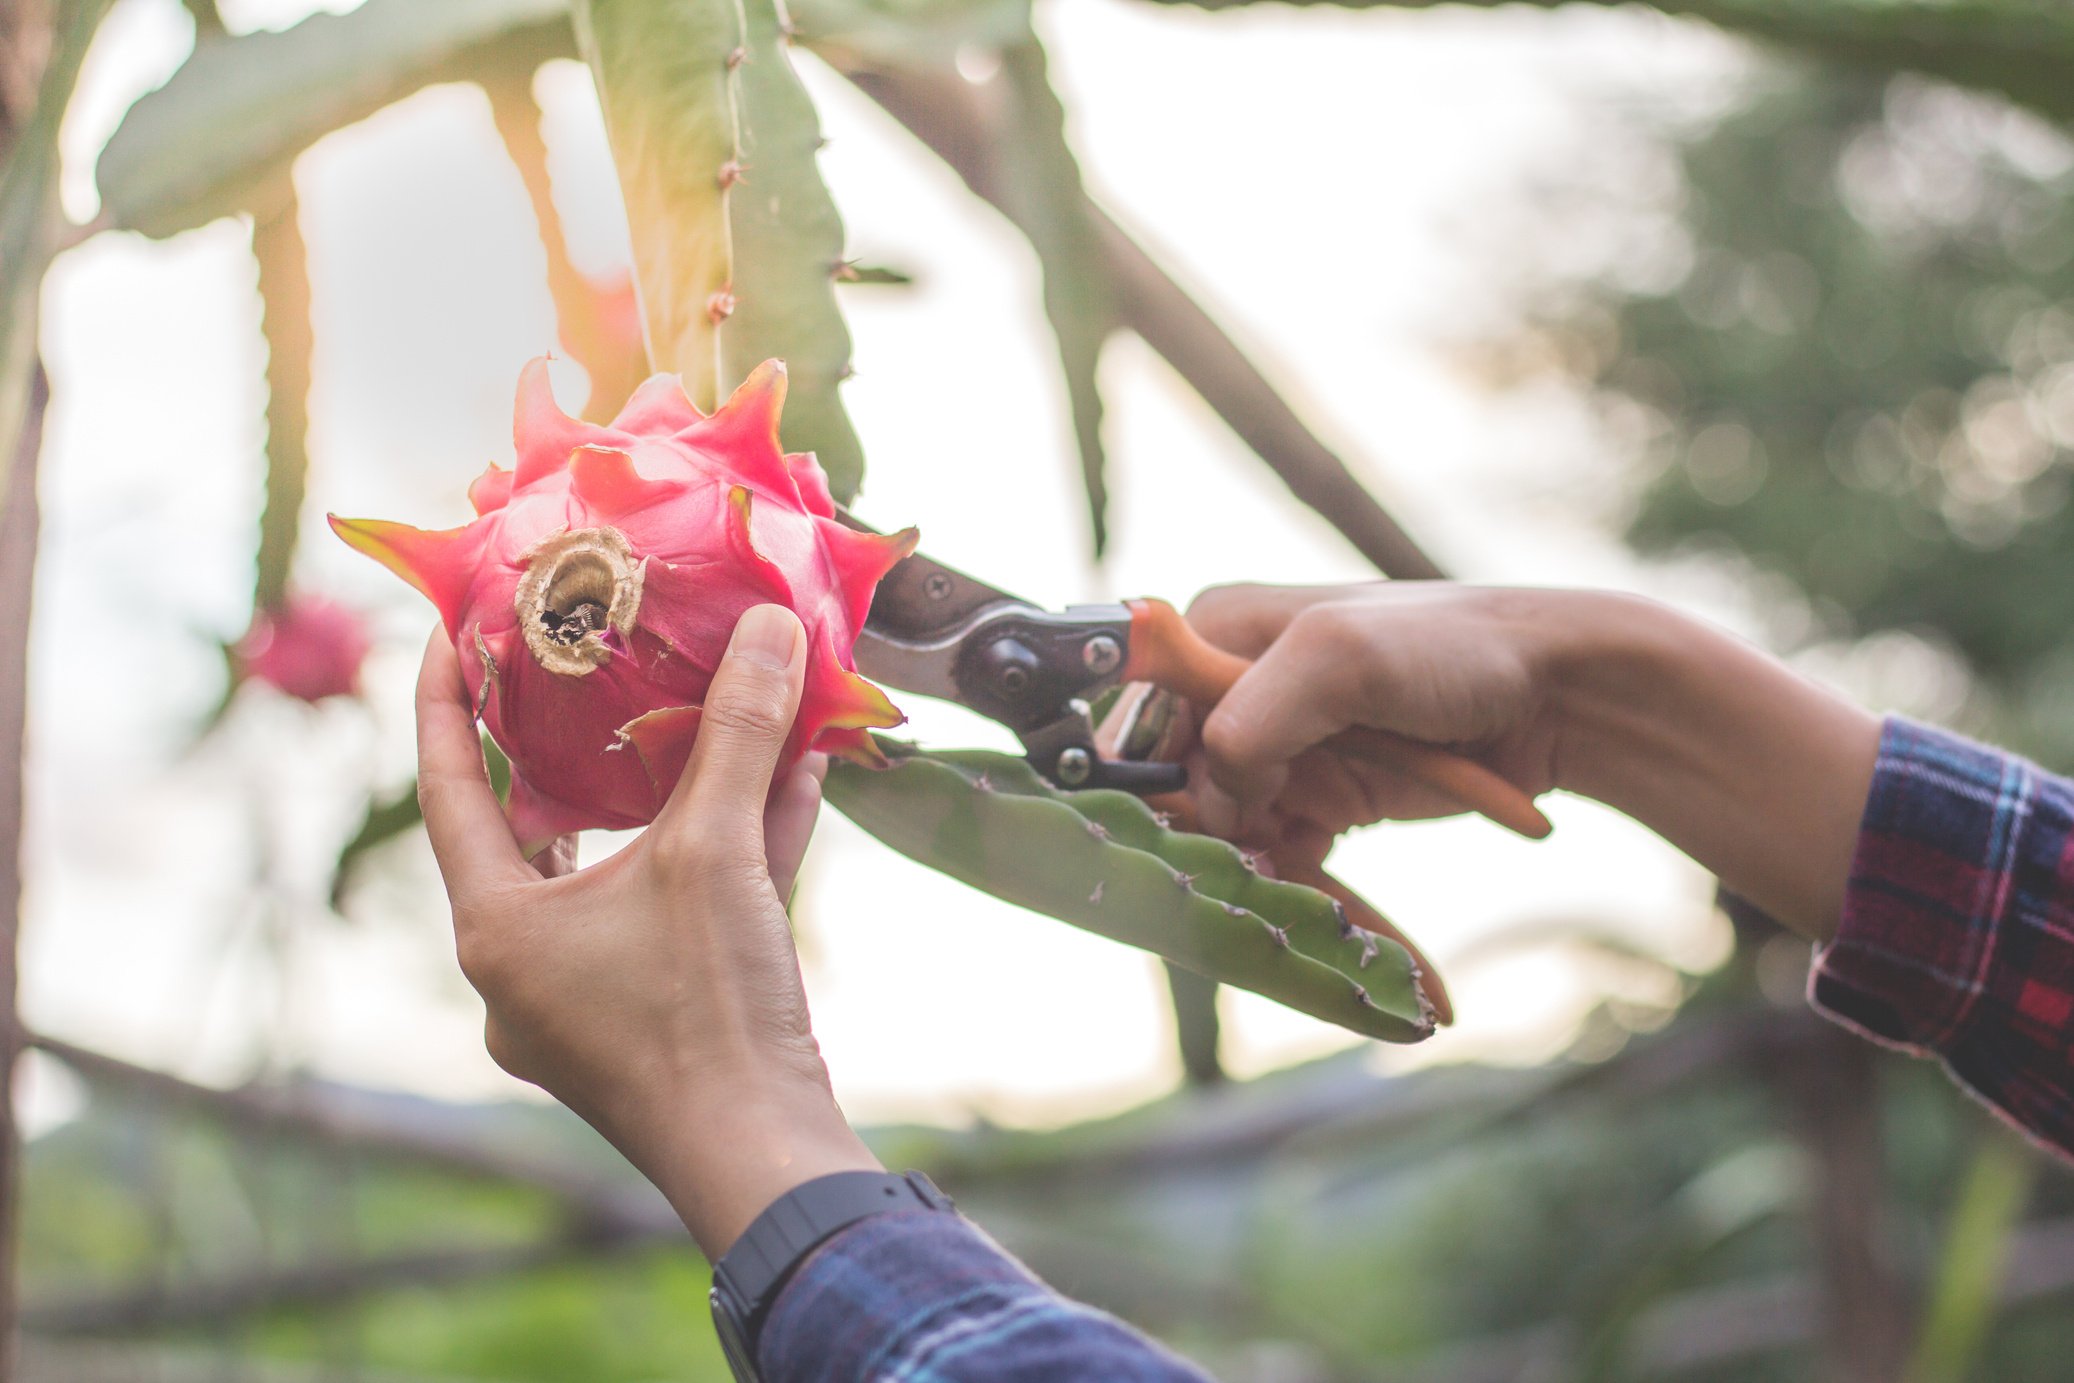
(1329, 182)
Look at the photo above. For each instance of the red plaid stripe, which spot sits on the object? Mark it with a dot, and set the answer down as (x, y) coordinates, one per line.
(1957, 938)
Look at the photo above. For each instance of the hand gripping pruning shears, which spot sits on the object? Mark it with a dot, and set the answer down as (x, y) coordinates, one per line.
(937, 632)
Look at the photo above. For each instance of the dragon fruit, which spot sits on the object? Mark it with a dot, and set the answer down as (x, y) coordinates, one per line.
(594, 595)
(308, 647)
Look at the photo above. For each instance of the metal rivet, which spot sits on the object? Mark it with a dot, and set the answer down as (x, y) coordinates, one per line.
(1102, 654)
(936, 586)
(1074, 766)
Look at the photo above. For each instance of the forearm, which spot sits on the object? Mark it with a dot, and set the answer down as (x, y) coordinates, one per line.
(1754, 771)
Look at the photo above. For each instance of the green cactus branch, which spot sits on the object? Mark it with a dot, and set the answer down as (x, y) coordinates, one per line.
(737, 244)
(219, 136)
(1106, 863)
(1053, 209)
(2022, 49)
(284, 296)
(948, 115)
(789, 254)
(1198, 1032)
(666, 82)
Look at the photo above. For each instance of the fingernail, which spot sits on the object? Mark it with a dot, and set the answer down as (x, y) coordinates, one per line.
(767, 634)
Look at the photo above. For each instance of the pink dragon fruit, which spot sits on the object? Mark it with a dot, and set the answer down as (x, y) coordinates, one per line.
(309, 647)
(593, 597)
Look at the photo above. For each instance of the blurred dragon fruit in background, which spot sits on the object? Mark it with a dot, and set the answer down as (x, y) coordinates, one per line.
(308, 647)
(592, 599)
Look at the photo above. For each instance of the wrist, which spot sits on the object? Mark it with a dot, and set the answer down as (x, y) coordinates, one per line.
(1756, 772)
(722, 1152)
(1611, 667)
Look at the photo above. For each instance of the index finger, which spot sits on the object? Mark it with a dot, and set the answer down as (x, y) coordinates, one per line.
(474, 846)
(1303, 690)
(1246, 618)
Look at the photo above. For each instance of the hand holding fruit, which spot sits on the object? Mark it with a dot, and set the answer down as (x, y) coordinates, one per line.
(657, 992)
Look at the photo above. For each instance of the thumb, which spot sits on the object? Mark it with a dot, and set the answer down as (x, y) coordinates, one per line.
(742, 727)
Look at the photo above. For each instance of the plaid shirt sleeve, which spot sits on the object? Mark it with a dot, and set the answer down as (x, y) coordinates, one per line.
(925, 1297)
(1957, 936)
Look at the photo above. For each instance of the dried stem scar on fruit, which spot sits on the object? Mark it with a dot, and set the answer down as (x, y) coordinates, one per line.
(577, 586)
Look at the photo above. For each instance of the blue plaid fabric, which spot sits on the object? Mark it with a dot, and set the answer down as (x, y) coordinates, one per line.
(1957, 937)
(926, 1297)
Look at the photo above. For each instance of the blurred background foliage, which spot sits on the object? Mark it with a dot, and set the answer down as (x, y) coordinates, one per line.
(1840, 378)
(1862, 379)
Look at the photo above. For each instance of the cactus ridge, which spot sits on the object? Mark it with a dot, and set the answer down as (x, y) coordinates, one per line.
(737, 243)
(1101, 861)
(788, 243)
(1317, 924)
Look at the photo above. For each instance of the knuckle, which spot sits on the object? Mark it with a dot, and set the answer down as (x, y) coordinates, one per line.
(501, 1048)
(1224, 736)
(1330, 626)
(440, 793)
(759, 710)
(482, 960)
(683, 858)
(696, 858)
(1214, 601)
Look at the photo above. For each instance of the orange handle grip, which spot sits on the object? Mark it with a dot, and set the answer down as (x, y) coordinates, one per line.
(1167, 652)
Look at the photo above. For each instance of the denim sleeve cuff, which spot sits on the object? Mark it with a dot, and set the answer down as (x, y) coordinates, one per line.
(926, 1297)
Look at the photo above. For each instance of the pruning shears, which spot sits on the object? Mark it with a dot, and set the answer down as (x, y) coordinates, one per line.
(937, 632)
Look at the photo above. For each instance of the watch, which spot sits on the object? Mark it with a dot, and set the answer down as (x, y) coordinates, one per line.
(747, 1277)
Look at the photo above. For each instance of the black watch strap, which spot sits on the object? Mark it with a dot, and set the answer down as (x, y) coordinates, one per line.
(747, 1277)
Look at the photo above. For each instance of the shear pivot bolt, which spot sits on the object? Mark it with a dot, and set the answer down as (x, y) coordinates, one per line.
(1101, 654)
(1074, 766)
(936, 585)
